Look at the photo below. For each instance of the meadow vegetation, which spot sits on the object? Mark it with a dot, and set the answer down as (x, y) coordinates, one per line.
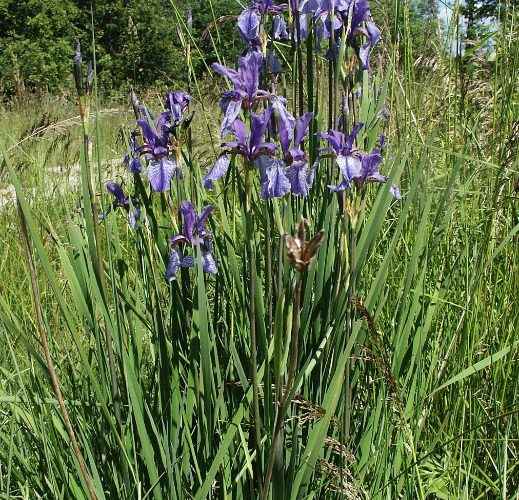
(382, 363)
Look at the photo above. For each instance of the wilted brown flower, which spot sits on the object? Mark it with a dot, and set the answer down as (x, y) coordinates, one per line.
(301, 252)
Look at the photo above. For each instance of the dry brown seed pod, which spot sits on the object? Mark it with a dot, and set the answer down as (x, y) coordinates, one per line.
(300, 251)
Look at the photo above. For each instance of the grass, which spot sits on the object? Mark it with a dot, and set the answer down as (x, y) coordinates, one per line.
(409, 390)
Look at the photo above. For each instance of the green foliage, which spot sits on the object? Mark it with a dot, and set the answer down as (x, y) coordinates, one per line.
(137, 41)
(35, 43)
(411, 394)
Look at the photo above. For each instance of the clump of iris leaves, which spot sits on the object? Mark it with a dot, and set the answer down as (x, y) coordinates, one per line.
(223, 298)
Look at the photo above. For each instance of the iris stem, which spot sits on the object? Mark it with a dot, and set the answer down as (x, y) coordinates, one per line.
(286, 397)
(249, 234)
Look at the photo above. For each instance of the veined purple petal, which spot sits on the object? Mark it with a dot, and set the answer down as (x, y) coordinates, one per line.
(301, 128)
(258, 127)
(250, 69)
(188, 219)
(135, 165)
(239, 131)
(229, 73)
(173, 265)
(232, 111)
(276, 183)
(202, 219)
(177, 102)
(359, 14)
(370, 166)
(150, 137)
(285, 121)
(265, 148)
(179, 238)
(350, 167)
(364, 52)
(269, 7)
(248, 25)
(208, 263)
(340, 187)
(310, 6)
(217, 171)
(187, 261)
(335, 140)
(160, 173)
(279, 28)
(373, 33)
(298, 177)
(303, 28)
(296, 156)
(350, 139)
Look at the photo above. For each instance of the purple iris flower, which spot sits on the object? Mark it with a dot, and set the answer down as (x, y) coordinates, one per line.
(358, 18)
(326, 15)
(291, 136)
(341, 146)
(279, 28)
(268, 7)
(246, 91)
(355, 166)
(249, 22)
(132, 159)
(323, 8)
(122, 201)
(176, 104)
(162, 168)
(194, 234)
(251, 145)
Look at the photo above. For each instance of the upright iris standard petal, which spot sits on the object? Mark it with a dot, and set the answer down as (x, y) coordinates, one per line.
(231, 104)
(248, 26)
(188, 213)
(250, 68)
(160, 173)
(258, 128)
(285, 122)
(301, 128)
(279, 28)
(176, 104)
(370, 167)
(201, 221)
(246, 78)
(217, 171)
(275, 183)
